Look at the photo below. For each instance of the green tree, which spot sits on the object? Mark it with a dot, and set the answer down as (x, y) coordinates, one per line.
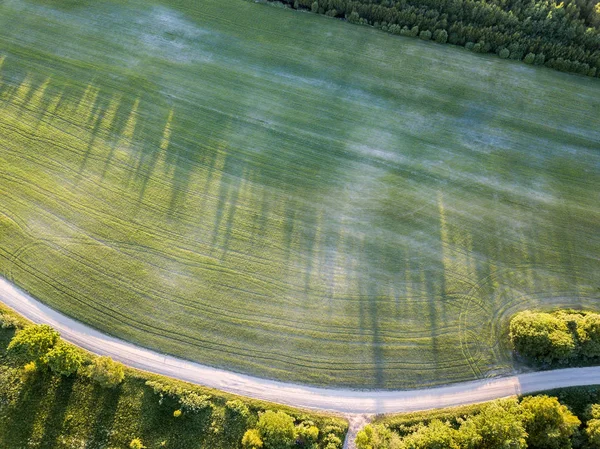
(377, 436)
(499, 425)
(307, 434)
(236, 420)
(548, 423)
(590, 335)
(425, 35)
(64, 359)
(441, 36)
(530, 58)
(252, 440)
(435, 435)
(276, 429)
(315, 7)
(541, 336)
(34, 342)
(106, 372)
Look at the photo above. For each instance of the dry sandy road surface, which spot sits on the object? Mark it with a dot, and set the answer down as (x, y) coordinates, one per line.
(349, 402)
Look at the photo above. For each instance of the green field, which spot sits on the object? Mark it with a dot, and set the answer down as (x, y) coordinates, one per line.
(288, 195)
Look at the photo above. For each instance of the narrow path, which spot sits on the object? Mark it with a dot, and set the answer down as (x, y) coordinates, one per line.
(350, 402)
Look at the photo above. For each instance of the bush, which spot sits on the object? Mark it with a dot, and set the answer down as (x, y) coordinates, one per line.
(307, 434)
(64, 359)
(276, 429)
(541, 336)
(548, 423)
(187, 399)
(441, 36)
(530, 58)
(425, 35)
(504, 53)
(8, 321)
(315, 7)
(106, 372)
(34, 342)
(177, 413)
(252, 440)
(136, 443)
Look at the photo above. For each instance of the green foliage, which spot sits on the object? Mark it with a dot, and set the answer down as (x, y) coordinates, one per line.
(435, 435)
(64, 359)
(74, 412)
(592, 431)
(377, 436)
(440, 36)
(8, 321)
(504, 53)
(276, 429)
(425, 35)
(561, 336)
(314, 7)
(529, 59)
(189, 401)
(252, 440)
(541, 336)
(106, 372)
(136, 443)
(34, 342)
(549, 424)
(498, 425)
(307, 434)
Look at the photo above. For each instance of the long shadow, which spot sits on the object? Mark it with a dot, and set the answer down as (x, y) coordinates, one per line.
(56, 416)
(21, 416)
(108, 400)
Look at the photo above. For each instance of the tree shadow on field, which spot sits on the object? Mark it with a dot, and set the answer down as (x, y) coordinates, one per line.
(108, 401)
(190, 430)
(56, 415)
(21, 416)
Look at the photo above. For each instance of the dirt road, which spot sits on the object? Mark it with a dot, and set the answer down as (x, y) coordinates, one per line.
(336, 400)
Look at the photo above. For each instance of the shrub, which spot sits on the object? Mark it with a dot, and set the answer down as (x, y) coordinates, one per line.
(425, 35)
(252, 440)
(441, 36)
(64, 359)
(136, 443)
(541, 336)
(177, 413)
(530, 58)
(34, 342)
(307, 434)
(106, 372)
(315, 7)
(414, 31)
(276, 429)
(353, 17)
(8, 321)
(504, 53)
(187, 399)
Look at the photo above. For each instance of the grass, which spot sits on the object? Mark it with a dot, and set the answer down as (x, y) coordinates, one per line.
(48, 411)
(290, 196)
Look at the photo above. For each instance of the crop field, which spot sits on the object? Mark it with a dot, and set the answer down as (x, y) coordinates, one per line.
(287, 195)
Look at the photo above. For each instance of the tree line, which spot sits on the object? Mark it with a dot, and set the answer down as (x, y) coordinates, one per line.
(39, 351)
(534, 422)
(562, 337)
(561, 35)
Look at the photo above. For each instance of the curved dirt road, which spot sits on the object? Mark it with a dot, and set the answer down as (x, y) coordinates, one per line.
(335, 400)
